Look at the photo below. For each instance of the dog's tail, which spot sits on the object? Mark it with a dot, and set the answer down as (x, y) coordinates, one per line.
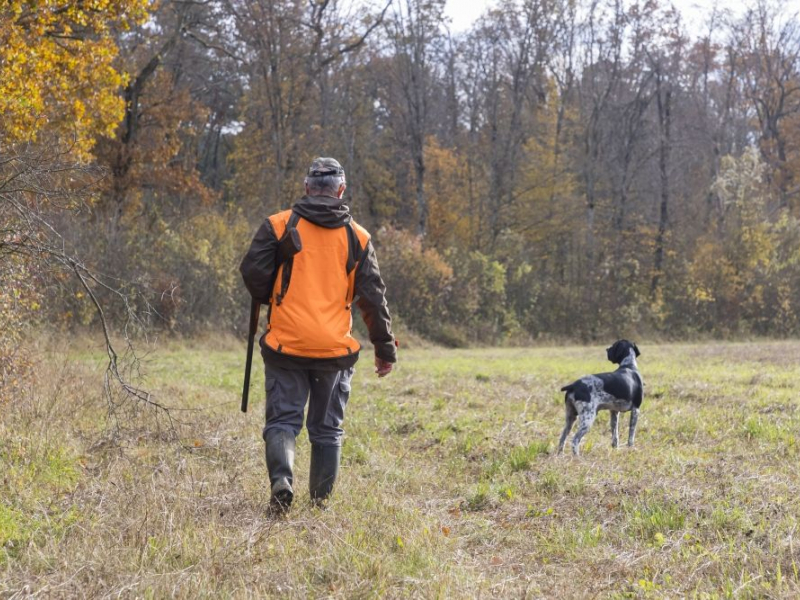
(568, 388)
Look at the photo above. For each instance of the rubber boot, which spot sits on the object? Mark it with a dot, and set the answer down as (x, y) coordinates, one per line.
(324, 469)
(280, 460)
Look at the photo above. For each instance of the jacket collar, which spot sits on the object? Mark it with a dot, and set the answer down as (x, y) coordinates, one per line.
(324, 211)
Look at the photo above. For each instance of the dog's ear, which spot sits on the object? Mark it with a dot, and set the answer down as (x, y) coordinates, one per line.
(636, 350)
(613, 352)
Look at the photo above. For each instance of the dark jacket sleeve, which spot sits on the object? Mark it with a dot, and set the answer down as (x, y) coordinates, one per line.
(258, 265)
(371, 293)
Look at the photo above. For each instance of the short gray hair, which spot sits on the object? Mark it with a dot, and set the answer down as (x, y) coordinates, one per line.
(325, 185)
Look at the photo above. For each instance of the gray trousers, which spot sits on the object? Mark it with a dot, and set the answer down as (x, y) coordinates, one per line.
(327, 393)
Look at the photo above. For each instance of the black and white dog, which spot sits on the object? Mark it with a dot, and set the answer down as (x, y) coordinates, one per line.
(620, 391)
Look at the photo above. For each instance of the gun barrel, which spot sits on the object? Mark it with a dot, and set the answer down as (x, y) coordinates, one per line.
(255, 308)
(289, 245)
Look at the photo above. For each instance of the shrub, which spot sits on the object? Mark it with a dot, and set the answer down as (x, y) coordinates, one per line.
(418, 281)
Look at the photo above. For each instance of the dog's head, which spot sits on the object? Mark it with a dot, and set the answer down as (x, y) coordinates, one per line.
(620, 350)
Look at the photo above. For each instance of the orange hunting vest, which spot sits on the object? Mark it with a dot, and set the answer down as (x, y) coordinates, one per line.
(312, 317)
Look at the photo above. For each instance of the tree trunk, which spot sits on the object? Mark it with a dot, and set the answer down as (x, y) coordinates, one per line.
(664, 126)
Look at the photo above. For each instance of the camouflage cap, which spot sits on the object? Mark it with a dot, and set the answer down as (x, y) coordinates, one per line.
(321, 166)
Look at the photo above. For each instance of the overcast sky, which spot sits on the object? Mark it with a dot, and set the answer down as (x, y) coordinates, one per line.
(464, 12)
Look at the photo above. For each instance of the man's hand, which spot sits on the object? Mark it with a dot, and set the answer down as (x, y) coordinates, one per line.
(382, 367)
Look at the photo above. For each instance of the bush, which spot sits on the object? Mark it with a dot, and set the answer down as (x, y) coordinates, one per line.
(477, 299)
(19, 299)
(417, 281)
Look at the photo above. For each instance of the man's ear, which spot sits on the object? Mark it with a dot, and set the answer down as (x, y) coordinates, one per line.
(342, 188)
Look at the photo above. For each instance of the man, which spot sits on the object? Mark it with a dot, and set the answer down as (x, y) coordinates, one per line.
(308, 350)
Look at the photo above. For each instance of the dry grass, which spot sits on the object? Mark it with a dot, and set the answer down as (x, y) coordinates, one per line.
(449, 485)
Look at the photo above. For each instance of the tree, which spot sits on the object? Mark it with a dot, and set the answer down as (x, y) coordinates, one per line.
(769, 39)
(414, 32)
(57, 76)
(59, 92)
(287, 49)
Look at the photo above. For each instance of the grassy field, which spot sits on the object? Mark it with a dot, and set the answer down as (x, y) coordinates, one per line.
(450, 487)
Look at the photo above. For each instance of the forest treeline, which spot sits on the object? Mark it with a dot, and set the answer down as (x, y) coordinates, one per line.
(564, 168)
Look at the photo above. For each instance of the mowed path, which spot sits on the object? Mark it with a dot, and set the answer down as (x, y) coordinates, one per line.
(450, 487)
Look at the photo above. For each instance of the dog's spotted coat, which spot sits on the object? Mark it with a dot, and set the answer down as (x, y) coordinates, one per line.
(620, 391)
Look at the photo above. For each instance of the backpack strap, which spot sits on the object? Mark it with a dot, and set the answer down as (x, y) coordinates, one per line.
(286, 273)
(294, 218)
(354, 249)
(357, 245)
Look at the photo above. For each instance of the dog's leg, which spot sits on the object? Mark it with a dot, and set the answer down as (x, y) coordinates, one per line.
(614, 429)
(586, 417)
(571, 415)
(632, 430)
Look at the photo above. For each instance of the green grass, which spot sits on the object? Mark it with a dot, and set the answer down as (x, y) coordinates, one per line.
(36, 480)
(450, 486)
